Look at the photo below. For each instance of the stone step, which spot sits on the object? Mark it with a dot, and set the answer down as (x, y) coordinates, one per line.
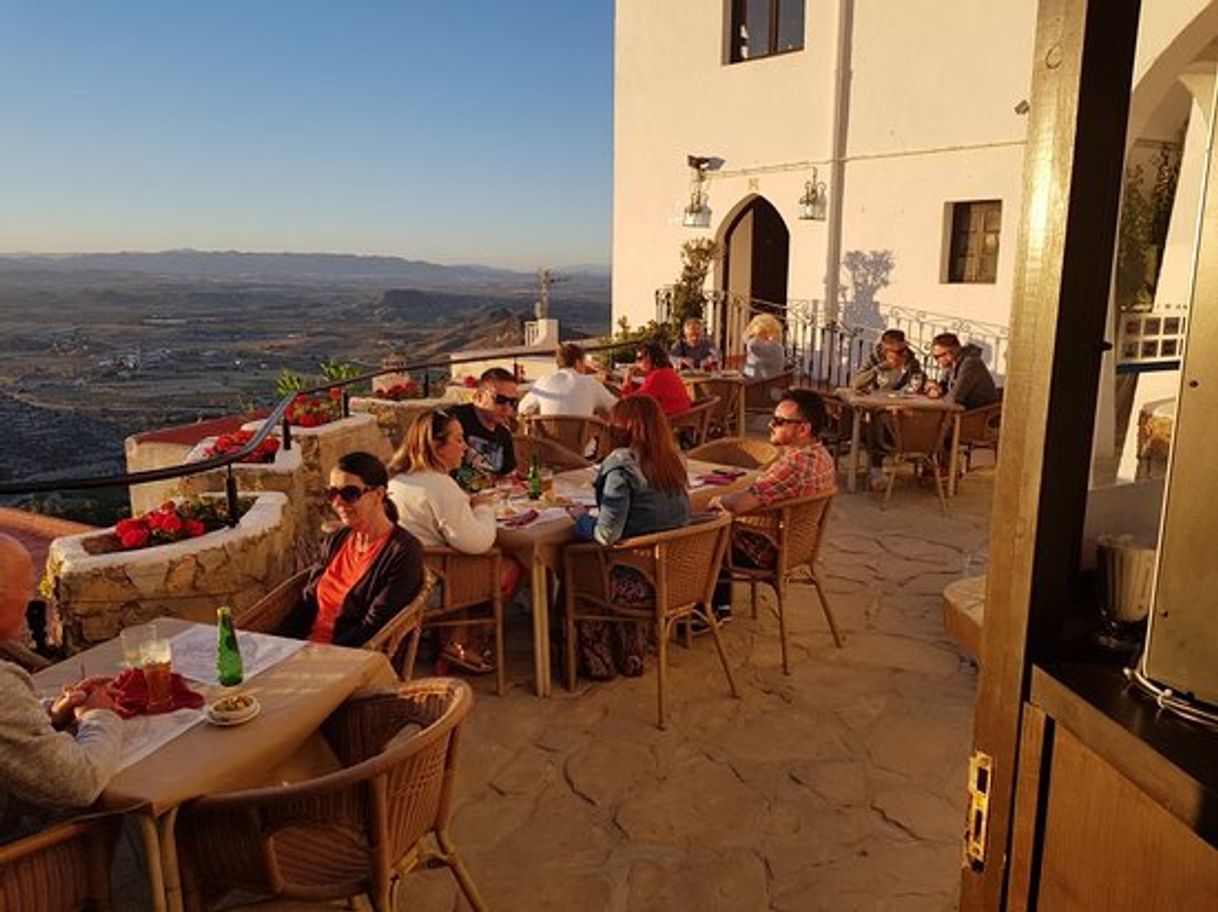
(964, 613)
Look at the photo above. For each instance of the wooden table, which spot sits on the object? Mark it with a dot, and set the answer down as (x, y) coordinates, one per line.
(539, 548)
(872, 403)
(296, 696)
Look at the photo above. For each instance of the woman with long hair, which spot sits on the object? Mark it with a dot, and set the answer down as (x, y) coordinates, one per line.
(370, 568)
(640, 489)
(434, 508)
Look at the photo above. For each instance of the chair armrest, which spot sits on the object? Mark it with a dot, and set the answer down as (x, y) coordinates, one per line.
(268, 613)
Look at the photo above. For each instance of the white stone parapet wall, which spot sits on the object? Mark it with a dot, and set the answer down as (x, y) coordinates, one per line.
(96, 595)
(320, 448)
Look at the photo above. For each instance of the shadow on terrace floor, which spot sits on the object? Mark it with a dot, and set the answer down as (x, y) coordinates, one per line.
(840, 787)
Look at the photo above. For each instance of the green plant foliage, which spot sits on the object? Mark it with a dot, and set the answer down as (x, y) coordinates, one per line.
(288, 382)
(688, 294)
(1145, 218)
(629, 340)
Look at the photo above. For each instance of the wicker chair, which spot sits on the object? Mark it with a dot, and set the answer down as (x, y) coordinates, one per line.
(268, 614)
(744, 452)
(795, 528)
(682, 566)
(468, 582)
(918, 436)
(759, 394)
(550, 454)
(62, 869)
(582, 434)
(349, 833)
(724, 416)
(979, 429)
(692, 425)
(19, 654)
(836, 433)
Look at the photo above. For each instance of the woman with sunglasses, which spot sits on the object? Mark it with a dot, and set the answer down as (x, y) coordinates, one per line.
(640, 489)
(434, 508)
(369, 569)
(660, 381)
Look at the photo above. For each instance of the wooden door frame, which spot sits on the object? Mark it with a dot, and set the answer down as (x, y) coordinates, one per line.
(1073, 173)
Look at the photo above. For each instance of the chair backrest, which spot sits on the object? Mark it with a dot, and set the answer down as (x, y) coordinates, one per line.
(759, 394)
(465, 580)
(981, 425)
(361, 820)
(19, 654)
(745, 452)
(578, 433)
(62, 869)
(696, 419)
(268, 613)
(919, 431)
(802, 530)
(724, 412)
(391, 637)
(549, 453)
(682, 564)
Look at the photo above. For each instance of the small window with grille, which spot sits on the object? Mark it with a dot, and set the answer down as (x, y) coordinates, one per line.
(972, 254)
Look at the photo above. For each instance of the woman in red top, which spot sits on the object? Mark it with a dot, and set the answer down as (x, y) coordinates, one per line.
(660, 381)
(369, 569)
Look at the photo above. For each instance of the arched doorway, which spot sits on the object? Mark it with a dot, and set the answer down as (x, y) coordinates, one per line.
(756, 250)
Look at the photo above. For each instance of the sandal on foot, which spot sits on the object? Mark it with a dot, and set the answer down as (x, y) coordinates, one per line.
(456, 654)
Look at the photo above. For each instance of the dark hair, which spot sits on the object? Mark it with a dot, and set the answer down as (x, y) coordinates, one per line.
(892, 335)
(810, 405)
(496, 375)
(656, 353)
(371, 471)
(946, 340)
(639, 423)
(569, 354)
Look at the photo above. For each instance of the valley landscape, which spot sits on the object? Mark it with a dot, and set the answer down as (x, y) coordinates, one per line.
(97, 347)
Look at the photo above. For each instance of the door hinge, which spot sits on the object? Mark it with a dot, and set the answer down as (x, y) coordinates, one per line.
(980, 776)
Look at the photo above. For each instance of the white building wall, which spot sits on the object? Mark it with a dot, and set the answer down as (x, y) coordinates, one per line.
(930, 120)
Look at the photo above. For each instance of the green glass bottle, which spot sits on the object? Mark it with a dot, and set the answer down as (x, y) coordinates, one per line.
(228, 656)
(535, 479)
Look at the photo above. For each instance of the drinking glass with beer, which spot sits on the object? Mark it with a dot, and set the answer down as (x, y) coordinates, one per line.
(157, 660)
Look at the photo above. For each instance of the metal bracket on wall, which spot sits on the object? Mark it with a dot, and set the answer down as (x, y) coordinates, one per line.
(980, 775)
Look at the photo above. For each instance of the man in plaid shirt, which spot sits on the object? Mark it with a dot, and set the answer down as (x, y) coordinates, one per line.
(805, 469)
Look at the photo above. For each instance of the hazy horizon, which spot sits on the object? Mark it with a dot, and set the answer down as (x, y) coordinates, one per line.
(453, 134)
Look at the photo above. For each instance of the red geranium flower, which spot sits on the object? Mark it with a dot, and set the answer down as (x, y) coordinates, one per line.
(134, 537)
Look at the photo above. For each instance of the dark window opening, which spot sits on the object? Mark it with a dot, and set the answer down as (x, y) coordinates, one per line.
(973, 251)
(761, 28)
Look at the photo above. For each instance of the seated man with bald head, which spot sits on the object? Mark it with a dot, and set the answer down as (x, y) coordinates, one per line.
(55, 755)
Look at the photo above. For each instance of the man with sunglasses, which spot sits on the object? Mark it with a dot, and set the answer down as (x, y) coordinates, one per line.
(804, 468)
(487, 423)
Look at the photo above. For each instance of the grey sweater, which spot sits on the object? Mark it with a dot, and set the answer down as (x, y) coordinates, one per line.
(43, 770)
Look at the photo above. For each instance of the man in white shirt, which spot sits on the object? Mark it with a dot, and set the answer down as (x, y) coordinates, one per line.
(567, 391)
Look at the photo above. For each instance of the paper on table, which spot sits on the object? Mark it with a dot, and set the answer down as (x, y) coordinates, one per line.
(194, 652)
(144, 734)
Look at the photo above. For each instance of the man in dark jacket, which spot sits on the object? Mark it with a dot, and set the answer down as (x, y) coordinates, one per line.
(969, 382)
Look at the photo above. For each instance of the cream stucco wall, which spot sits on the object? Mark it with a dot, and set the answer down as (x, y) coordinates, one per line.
(930, 115)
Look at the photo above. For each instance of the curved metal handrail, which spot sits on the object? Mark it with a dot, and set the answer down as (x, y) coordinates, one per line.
(274, 419)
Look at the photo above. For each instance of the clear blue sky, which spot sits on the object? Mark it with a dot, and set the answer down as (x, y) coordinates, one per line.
(451, 130)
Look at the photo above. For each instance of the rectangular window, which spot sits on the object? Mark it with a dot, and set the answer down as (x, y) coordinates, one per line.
(972, 254)
(760, 28)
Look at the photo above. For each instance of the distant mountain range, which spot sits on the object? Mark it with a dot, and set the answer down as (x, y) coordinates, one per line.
(236, 265)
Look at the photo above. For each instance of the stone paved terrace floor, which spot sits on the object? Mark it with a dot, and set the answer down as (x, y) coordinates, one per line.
(838, 788)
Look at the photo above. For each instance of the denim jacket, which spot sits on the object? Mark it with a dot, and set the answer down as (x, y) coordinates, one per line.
(628, 504)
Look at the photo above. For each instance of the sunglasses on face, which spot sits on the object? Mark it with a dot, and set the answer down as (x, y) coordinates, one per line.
(779, 421)
(348, 494)
(501, 399)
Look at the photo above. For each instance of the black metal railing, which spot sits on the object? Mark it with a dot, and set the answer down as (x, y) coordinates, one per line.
(826, 348)
(277, 418)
